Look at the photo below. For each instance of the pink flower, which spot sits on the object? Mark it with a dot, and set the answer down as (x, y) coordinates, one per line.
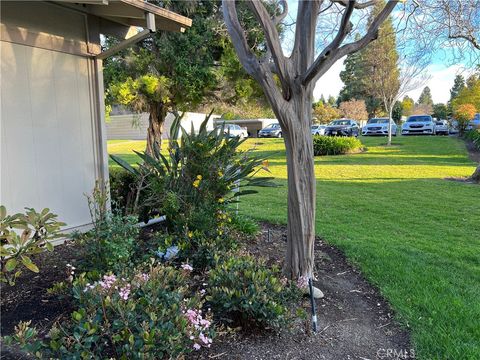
(187, 267)
(206, 340)
(302, 282)
(108, 281)
(144, 277)
(202, 291)
(124, 292)
(192, 316)
(196, 346)
(205, 323)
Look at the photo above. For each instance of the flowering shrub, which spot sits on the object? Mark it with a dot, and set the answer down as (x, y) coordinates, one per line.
(149, 315)
(244, 290)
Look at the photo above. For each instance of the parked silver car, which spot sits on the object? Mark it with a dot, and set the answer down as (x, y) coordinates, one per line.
(441, 127)
(379, 126)
(318, 129)
(419, 125)
(272, 130)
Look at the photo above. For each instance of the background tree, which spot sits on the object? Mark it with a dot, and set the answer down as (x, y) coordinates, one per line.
(458, 85)
(422, 109)
(440, 111)
(197, 69)
(407, 105)
(425, 97)
(355, 78)
(323, 113)
(397, 112)
(463, 114)
(288, 84)
(166, 61)
(470, 94)
(353, 109)
(380, 60)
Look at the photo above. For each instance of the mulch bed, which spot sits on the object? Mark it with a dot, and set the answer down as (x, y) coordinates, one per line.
(355, 322)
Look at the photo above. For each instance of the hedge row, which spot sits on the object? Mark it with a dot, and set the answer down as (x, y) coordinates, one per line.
(330, 145)
(474, 135)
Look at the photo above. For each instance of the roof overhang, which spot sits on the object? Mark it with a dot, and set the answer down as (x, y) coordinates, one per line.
(132, 13)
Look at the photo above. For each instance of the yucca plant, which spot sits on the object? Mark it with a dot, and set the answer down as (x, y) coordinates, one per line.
(197, 177)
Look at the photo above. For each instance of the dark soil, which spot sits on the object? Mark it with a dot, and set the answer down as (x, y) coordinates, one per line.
(355, 322)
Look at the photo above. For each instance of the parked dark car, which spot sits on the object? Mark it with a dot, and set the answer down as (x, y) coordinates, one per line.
(342, 127)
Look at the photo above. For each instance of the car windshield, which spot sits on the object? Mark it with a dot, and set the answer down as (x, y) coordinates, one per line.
(378, 121)
(419, 118)
(340, 122)
(273, 126)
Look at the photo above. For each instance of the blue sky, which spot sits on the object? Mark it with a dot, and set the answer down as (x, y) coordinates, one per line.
(441, 72)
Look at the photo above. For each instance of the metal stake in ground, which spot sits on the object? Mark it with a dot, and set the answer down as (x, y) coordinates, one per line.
(314, 307)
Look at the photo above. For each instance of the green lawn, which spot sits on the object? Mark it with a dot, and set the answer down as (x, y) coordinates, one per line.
(413, 234)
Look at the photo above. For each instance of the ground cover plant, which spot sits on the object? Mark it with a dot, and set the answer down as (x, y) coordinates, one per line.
(413, 234)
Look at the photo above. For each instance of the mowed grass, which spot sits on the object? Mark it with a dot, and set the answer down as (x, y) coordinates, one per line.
(413, 234)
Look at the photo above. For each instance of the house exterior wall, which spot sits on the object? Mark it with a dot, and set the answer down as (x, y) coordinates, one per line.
(51, 146)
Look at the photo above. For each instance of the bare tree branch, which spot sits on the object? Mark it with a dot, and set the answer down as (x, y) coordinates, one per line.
(361, 5)
(345, 28)
(273, 43)
(237, 33)
(279, 18)
(304, 46)
(335, 54)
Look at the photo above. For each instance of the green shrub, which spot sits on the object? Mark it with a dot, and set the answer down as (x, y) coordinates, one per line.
(150, 315)
(122, 190)
(335, 145)
(244, 224)
(110, 245)
(243, 290)
(38, 230)
(474, 136)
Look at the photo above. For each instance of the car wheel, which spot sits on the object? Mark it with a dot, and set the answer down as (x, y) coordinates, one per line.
(279, 135)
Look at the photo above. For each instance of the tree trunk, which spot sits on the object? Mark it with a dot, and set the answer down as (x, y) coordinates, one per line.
(389, 142)
(475, 176)
(156, 119)
(301, 186)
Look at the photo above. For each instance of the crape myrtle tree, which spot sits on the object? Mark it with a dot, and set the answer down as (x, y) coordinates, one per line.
(288, 84)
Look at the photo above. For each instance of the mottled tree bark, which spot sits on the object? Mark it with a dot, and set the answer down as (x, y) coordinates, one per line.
(290, 95)
(156, 119)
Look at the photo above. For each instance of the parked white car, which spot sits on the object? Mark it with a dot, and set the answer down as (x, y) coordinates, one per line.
(233, 130)
(379, 126)
(318, 129)
(419, 125)
(441, 127)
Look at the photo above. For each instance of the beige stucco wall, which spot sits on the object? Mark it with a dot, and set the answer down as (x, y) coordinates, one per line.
(50, 150)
